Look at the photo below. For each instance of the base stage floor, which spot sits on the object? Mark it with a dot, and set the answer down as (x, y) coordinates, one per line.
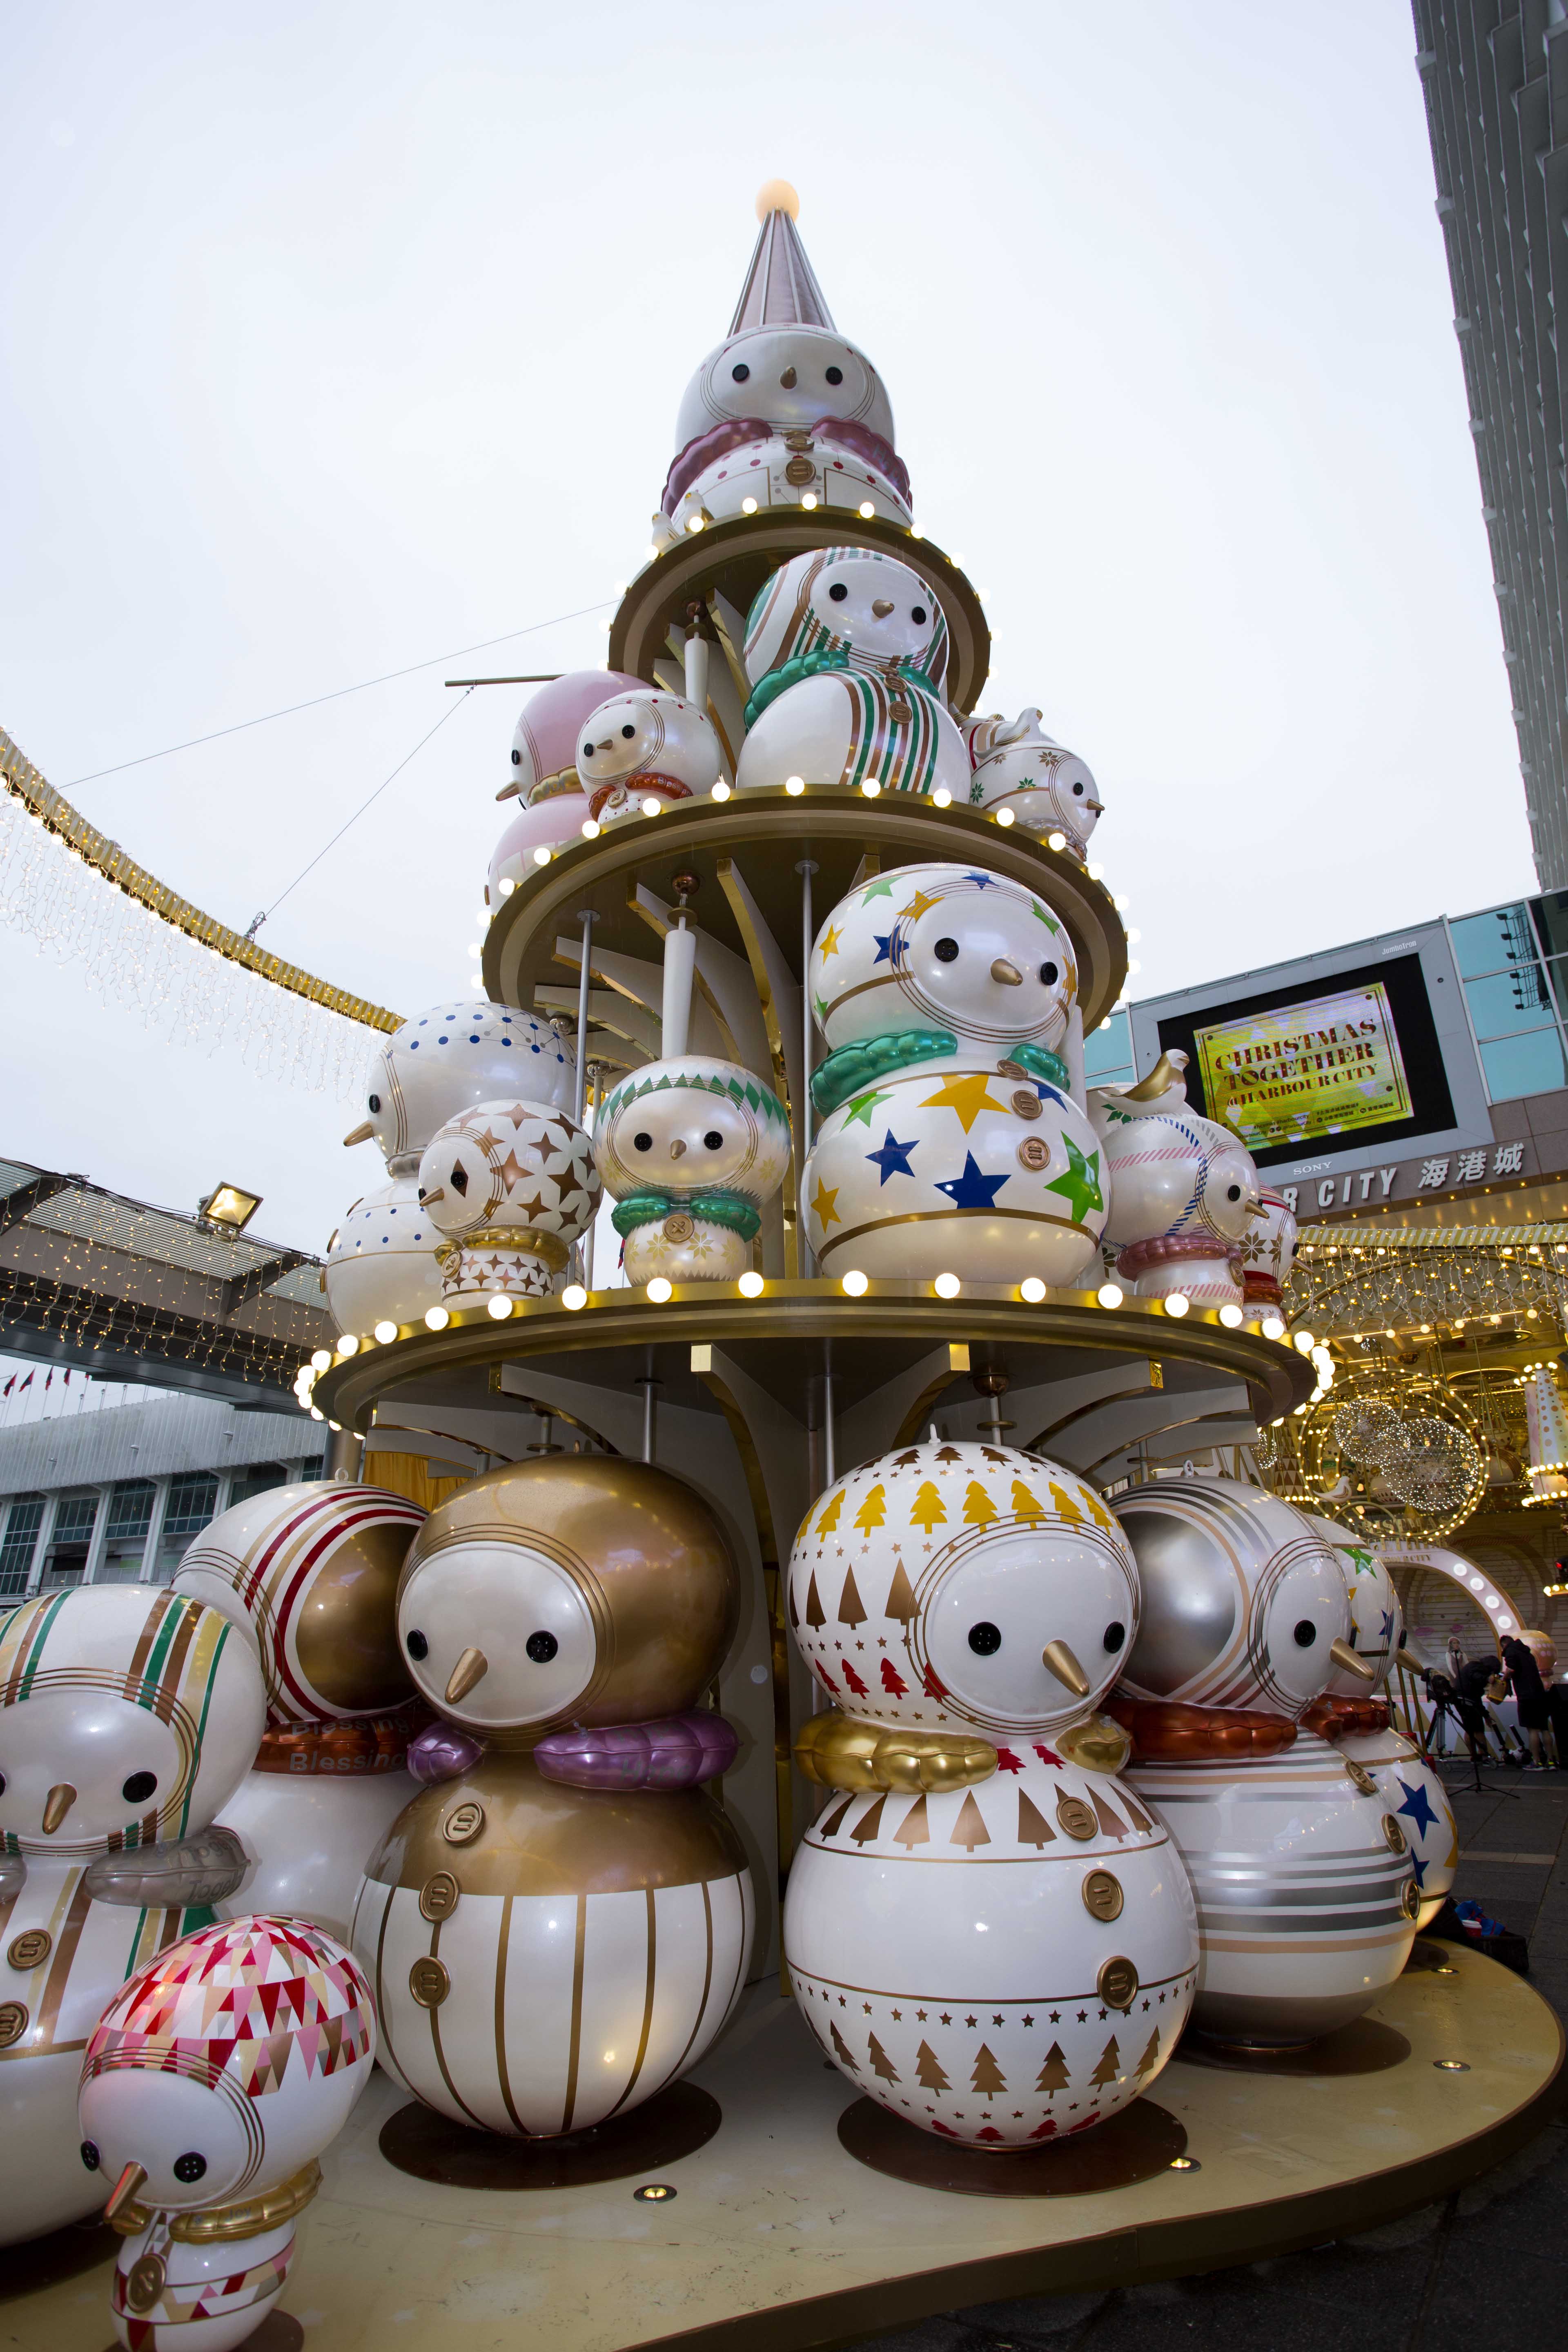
(777, 2238)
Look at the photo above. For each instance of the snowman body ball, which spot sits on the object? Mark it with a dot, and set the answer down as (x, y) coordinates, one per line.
(986, 1930)
(308, 1574)
(511, 1185)
(215, 2080)
(1017, 766)
(128, 1715)
(949, 1141)
(689, 1149)
(1305, 1895)
(1184, 1192)
(846, 652)
(559, 1926)
(645, 746)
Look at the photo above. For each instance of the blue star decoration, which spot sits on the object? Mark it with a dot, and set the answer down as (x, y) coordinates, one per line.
(1386, 1636)
(889, 947)
(893, 1159)
(972, 1190)
(1419, 1867)
(1419, 1805)
(982, 881)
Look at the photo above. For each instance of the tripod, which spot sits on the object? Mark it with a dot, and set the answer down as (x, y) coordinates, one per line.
(1447, 1710)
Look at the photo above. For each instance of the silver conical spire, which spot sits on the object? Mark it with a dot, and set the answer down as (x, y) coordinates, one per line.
(781, 288)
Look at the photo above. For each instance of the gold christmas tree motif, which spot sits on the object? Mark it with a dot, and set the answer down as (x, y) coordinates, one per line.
(1053, 2076)
(1032, 1827)
(873, 1510)
(1151, 2058)
(979, 1510)
(900, 1602)
(913, 1829)
(1109, 1820)
(988, 2078)
(841, 2051)
(969, 1830)
(1140, 1818)
(814, 1614)
(1096, 1510)
(927, 1510)
(869, 1824)
(1109, 2060)
(829, 1519)
(881, 2063)
(928, 2070)
(834, 1821)
(851, 1608)
(1026, 1505)
(1066, 1509)
(794, 1612)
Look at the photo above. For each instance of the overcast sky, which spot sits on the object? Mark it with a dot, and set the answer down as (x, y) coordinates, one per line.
(341, 336)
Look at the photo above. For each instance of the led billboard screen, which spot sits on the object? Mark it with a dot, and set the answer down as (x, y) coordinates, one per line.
(1330, 1065)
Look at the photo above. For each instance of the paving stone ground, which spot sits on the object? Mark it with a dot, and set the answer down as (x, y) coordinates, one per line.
(1488, 2267)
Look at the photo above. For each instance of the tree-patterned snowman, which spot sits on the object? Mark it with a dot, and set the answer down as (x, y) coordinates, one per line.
(949, 1141)
(690, 1149)
(985, 1929)
(510, 1186)
(847, 655)
(128, 1715)
(1048, 789)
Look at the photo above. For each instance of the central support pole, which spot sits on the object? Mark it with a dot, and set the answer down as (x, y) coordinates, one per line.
(806, 867)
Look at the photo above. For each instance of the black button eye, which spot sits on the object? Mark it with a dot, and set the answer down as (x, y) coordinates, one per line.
(587, 750)
(374, 1103)
(517, 759)
(643, 1142)
(918, 616)
(629, 733)
(714, 1140)
(1049, 973)
(1115, 1635)
(947, 951)
(417, 1645)
(1306, 1633)
(138, 1786)
(984, 1639)
(835, 375)
(740, 371)
(1077, 791)
(189, 2167)
(89, 2156)
(458, 1179)
(542, 1648)
(838, 592)
(1233, 1193)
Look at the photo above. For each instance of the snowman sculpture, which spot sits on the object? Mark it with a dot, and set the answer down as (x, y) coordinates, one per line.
(846, 652)
(381, 1261)
(1268, 1250)
(559, 1925)
(986, 1931)
(511, 1186)
(1358, 1720)
(950, 1141)
(213, 2082)
(690, 1149)
(128, 1713)
(1184, 1192)
(1306, 1898)
(544, 780)
(309, 1575)
(1017, 766)
(646, 747)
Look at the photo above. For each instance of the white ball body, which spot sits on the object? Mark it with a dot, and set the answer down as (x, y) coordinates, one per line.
(1027, 1196)
(308, 1838)
(932, 947)
(685, 1248)
(928, 1936)
(381, 1261)
(843, 726)
(214, 2296)
(1412, 1792)
(744, 376)
(553, 824)
(1018, 766)
(443, 1062)
(780, 470)
(645, 745)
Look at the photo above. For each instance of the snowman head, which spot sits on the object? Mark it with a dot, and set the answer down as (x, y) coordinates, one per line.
(545, 745)
(784, 375)
(1377, 1621)
(849, 601)
(128, 1715)
(444, 1061)
(692, 1125)
(513, 1166)
(225, 2064)
(1048, 786)
(944, 946)
(1243, 1598)
(573, 1589)
(1174, 1173)
(646, 742)
(963, 1584)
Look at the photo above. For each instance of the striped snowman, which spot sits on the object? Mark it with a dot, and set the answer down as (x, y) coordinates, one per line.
(1184, 1192)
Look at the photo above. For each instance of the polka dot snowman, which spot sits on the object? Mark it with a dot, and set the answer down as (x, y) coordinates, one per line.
(381, 1261)
(984, 1930)
(1017, 766)
(511, 1185)
(846, 652)
(645, 746)
(690, 1148)
(1184, 1192)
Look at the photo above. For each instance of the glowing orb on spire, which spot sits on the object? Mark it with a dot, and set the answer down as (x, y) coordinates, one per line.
(777, 196)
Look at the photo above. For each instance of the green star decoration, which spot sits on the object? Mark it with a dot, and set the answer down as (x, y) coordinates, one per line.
(1049, 920)
(1362, 1560)
(863, 1106)
(882, 889)
(1079, 1183)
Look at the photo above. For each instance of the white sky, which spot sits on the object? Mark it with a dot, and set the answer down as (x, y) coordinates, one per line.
(341, 335)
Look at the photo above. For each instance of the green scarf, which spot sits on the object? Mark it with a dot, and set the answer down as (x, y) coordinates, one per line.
(849, 1068)
(718, 1207)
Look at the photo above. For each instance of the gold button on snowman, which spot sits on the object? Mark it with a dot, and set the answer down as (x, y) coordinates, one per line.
(988, 1933)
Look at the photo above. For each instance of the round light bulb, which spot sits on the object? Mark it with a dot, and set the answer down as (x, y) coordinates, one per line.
(748, 506)
(1095, 873)
(348, 1344)
(1177, 1302)
(1305, 1342)
(1230, 1314)
(871, 787)
(809, 502)
(473, 947)
(573, 1296)
(437, 1318)
(1032, 1289)
(501, 1307)
(508, 887)
(658, 1290)
(590, 829)
(336, 1427)
(947, 1286)
(542, 855)
(1005, 817)
(1273, 1328)
(650, 807)
(386, 1333)
(794, 786)
(751, 1284)
(866, 509)
(320, 1362)
(1110, 1294)
(695, 524)
(315, 1414)
(854, 1285)
(941, 797)
(1056, 841)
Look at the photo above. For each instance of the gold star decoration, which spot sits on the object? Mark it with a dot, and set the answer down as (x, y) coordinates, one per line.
(829, 943)
(824, 1208)
(917, 904)
(968, 1093)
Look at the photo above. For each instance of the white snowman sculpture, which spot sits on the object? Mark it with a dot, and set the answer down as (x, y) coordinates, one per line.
(511, 1186)
(1184, 1192)
(1018, 766)
(1306, 1899)
(950, 1141)
(559, 1925)
(988, 1932)
(544, 780)
(690, 1149)
(1267, 1252)
(381, 1261)
(1408, 1785)
(215, 2080)
(128, 1713)
(846, 652)
(309, 1574)
(646, 746)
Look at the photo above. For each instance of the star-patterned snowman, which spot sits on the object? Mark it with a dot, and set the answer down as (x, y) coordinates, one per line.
(984, 1930)
(949, 1141)
(511, 1186)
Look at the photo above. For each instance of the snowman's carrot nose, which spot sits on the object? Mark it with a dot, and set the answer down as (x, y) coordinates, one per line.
(677, 1148)
(787, 379)
(471, 1668)
(360, 1134)
(881, 606)
(57, 1805)
(1008, 973)
(1066, 1668)
(1343, 1655)
(124, 2190)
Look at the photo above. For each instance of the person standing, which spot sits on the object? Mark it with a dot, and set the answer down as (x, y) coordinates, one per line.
(1529, 1695)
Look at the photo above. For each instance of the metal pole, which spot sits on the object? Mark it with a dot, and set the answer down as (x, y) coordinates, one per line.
(588, 1237)
(649, 1381)
(805, 869)
(588, 918)
(829, 1450)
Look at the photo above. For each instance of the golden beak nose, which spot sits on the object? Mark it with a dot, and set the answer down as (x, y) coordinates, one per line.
(788, 378)
(124, 2190)
(360, 1134)
(1343, 1655)
(881, 606)
(1066, 1668)
(1409, 1660)
(1008, 973)
(57, 1805)
(677, 1148)
(471, 1668)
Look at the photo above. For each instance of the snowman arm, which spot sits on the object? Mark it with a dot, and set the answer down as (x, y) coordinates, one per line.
(849, 1068)
(672, 1751)
(1041, 1063)
(175, 1874)
(774, 682)
(837, 1753)
(639, 1209)
(1165, 1731)
(1345, 1718)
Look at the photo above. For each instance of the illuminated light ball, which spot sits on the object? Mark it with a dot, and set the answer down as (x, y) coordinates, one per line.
(315, 1414)
(1230, 1314)
(871, 787)
(854, 1283)
(348, 1344)
(1177, 1302)
(751, 1284)
(321, 1361)
(809, 502)
(1005, 816)
(941, 797)
(748, 506)
(694, 523)
(794, 786)
(1032, 1289)
(1273, 1328)
(947, 1286)
(500, 1307)
(541, 856)
(658, 1290)
(720, 791)
(652, 807)
(590, 829)
(436, 1317)
(386, 1333)
(573, 1296)
(1305, 1343)
(1095, 873)
(1056, 841)
(1110, 1294)
(866, 511)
